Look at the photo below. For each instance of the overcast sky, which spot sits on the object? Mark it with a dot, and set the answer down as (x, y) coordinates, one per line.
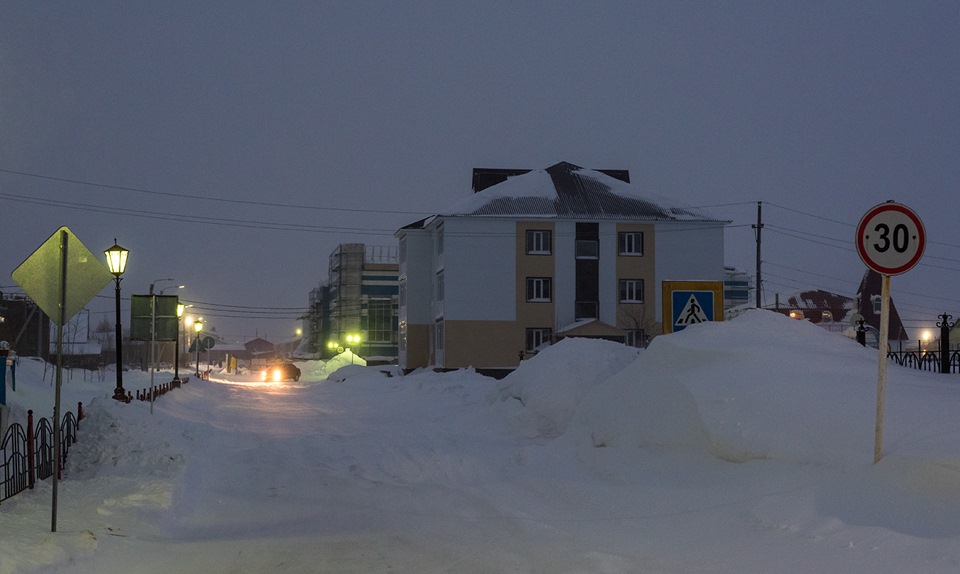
(232, 145)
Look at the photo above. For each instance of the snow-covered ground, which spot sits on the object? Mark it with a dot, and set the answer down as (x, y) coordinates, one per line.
(735, 447)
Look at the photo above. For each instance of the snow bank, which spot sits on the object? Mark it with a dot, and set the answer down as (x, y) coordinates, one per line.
(551, 384)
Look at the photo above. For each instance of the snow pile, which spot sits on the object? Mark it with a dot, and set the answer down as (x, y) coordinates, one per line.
(551, 384)
(743, 446)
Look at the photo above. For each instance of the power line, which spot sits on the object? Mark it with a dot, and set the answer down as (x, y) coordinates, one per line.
(186, 218)
(192, 196)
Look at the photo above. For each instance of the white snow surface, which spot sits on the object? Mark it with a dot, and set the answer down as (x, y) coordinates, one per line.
(743, 446)
(537, 183)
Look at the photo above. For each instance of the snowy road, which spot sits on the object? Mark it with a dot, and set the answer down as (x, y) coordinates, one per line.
(703, 454)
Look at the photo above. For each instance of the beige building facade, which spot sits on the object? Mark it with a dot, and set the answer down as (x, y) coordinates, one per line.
(542, 255)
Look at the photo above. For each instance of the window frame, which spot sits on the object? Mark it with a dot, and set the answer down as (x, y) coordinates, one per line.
(545, 235)
(625, 292)
(627, 243)
(539, 289)
(544, 334)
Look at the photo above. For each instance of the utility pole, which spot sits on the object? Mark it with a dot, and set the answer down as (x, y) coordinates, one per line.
(758, 227)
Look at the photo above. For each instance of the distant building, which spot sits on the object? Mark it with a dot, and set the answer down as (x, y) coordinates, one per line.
(835, 312)
(737, 286)
(24, 326)
(359, 298)
(536, 255)
(828, 310)
(868, 305)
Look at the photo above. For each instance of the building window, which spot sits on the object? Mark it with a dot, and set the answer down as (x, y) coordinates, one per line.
(876, 304)
(380, 321)
(635, 338)
(440, 286)
(440, 335)
(538, 289)
(631, 290)
(539, 242)
(537, 339)
(826, 317)
(587, 249)
(630, 243)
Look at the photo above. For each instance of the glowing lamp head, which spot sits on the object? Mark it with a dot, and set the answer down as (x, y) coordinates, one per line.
(198, 325)
(116, 259)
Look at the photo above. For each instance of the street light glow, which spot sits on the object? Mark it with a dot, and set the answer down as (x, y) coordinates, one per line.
(116, 259)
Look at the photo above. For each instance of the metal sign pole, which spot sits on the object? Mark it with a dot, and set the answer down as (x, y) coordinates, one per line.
(153, 345)
(61, 320)
(882, 369)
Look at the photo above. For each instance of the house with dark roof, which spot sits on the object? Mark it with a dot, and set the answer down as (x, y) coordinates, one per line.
(828, 310)
(535, 255)
(834, 312)
(868, 305)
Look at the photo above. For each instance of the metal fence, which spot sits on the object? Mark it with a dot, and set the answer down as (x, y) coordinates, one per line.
(927, 360)
(29, 453)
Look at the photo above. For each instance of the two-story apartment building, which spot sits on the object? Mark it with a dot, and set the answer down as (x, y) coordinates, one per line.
(540, 255)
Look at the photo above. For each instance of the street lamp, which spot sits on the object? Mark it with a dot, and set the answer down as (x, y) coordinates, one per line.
(155, 281)
(198, 326)
(353, 340)
(116, 258)
(176, 351)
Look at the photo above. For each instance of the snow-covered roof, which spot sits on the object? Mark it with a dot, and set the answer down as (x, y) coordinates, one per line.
(567, 190)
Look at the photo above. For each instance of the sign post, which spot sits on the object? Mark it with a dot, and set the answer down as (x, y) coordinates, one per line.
(890, 240)
(61, 276)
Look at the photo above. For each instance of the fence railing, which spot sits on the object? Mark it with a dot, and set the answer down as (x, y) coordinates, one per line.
(29, 453)
(159, 390)
(926, 360)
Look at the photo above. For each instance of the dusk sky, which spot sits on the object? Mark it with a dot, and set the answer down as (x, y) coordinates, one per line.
(232, 145)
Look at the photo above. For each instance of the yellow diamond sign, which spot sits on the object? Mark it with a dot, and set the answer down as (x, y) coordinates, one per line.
(64, 272)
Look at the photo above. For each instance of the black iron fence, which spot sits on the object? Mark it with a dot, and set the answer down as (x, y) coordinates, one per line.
(938, 358)
(927, 360)
(29, 453)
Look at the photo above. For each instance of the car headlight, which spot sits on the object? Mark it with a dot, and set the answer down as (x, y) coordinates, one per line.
(277, 375)
(263, 375)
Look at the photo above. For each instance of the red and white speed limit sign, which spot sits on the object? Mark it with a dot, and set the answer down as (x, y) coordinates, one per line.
(890, 238)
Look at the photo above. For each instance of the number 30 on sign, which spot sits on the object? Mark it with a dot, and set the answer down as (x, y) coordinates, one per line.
(890, 238)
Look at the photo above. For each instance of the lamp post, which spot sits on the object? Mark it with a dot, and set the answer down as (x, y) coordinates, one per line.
(198, 326)
(155, 281)
(353, 340)
(116, 258)
(176, 350)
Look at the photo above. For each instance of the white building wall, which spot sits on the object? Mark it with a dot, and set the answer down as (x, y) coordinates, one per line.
(479, 268)
(608, 272)
(687, 251)
(416, 269)
(565, 289)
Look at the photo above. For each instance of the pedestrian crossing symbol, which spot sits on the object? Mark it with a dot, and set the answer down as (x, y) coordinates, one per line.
(691, 314)
(687, 303)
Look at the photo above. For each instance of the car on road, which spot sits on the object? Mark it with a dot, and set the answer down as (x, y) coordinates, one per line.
(280, 371)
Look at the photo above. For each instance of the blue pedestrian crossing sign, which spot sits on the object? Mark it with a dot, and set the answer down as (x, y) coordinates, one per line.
(687, 303)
